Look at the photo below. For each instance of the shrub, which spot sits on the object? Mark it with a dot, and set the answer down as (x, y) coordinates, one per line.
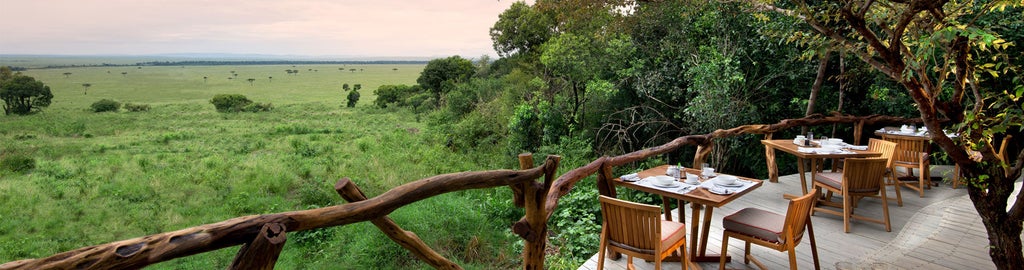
(353, 97)
(131, 107)
(230, 102)
(17, 163)
(258, 107)
(106, 105)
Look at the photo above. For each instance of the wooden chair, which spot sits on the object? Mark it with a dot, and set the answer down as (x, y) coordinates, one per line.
(637, 230)
(862, 177)
(772, 230)
(911, 154)
(887, 148)
(1001, 154)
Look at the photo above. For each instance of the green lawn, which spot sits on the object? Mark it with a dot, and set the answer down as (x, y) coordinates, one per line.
(102, 177)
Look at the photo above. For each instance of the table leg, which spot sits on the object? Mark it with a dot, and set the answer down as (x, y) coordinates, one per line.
(694, 224)
(668, 207)
(704, 231)
(803, 178)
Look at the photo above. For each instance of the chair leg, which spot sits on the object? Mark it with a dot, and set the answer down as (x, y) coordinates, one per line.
(792, 257)
(746, 252)
(847, 208)
(896, 186)
(725, 252)
(922, 183)
(685, 262)
(814, 246)
(885, 211)
(601, 250)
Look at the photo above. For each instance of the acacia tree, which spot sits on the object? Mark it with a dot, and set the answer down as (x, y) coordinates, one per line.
(86, 86)
(954, 63)
(21, 94)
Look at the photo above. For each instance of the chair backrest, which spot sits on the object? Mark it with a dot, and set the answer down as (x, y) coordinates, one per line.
(797, 214)
(907, 149)
(887, 148)
(631, 224)
(864, 175)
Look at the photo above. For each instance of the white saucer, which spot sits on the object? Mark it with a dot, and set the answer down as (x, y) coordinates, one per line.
(736, 184)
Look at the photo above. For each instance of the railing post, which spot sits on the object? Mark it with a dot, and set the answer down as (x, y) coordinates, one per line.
(769, 157)
(858, 130)
(604, 181)
(702, 152)
(263, 251)
(408, 240)
(535, 198)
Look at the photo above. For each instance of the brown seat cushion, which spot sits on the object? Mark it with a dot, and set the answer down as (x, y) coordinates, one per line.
(762, 224)
(835, 180)
(672, 231)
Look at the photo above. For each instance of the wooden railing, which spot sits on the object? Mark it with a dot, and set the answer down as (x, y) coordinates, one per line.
(263, 236)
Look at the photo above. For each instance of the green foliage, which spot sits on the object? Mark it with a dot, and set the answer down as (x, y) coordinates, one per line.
(353, 97)
(230, 102)
(132, 107)
(23, 94)
(17, 163)
(520, 30)
(395, 95)
(106, 105)
(440, 75)
(258, 107)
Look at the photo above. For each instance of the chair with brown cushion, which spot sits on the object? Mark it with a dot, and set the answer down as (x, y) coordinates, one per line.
(862, 177)
(1001, 154)
(887, 149)
(911, 154)
(637, 230)
(772, 230)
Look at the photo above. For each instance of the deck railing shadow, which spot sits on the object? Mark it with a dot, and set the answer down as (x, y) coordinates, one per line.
(262, 237)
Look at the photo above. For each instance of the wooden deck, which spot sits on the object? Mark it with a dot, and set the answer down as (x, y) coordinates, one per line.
(940, 231)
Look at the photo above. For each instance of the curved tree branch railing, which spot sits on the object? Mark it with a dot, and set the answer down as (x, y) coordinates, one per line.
(147, 250)
(262, 236)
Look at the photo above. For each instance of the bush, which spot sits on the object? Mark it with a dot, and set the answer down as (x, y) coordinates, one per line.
(353, 97)
(131, 107)
(230, 102)
(18, 163)
(258, 107)
(106, 105)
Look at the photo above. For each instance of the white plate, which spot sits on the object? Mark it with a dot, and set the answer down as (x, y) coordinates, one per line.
(736, 184)
(673, 184)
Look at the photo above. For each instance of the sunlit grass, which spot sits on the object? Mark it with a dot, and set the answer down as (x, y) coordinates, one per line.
(102, 177)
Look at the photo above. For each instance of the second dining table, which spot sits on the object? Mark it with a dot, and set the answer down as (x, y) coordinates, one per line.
(699, 196)
(803, 154)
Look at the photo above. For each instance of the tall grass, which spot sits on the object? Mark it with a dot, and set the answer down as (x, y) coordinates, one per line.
(101, 177)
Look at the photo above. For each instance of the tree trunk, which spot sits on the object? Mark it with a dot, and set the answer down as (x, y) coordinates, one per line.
(1004, 234)
(818, 80)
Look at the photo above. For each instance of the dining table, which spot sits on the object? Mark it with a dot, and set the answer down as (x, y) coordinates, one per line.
(803, 153)
(707, 195)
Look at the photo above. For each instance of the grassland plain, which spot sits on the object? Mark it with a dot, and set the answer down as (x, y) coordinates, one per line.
(102, 177)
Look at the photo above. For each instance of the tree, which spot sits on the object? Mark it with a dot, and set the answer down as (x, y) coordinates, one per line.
(86, 86)
(124, 74)
(270, 79)
(520, 29)
(22, 94)
(66, 74)
(251, 81)
(953, 60)
(353, 97)
(204, 79)
(356, 87)
(345, 87)
(439, 74)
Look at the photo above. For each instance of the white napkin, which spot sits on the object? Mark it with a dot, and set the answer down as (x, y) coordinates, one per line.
(857, 147)
(630, 177)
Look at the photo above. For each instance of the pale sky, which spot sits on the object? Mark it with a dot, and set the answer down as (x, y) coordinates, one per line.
(414, 28)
